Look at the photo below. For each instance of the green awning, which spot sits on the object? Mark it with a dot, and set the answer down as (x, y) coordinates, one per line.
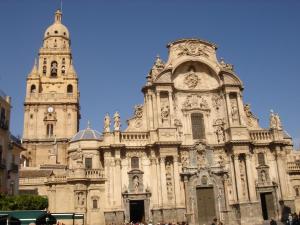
(31, 216)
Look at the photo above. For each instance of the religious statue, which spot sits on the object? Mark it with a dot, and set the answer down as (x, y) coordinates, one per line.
(54, 68)
(263, 176)
(136, 183)
(234, 114)
(53, 150)
(275, 122)
(220, 134)
(106, 123)
(117, 121)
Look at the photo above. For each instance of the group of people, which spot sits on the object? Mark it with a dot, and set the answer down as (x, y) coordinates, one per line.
(292, 219)
(214, 222)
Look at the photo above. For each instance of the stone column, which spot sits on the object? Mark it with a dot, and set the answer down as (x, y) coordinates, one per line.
(187, 202)
(159, 186)
(118, 183)
(155, 110)
(176, 177)
(171, 108)
(250, 179)
(240, 197)
(228, 109)
(158, 109)
(282, 174)
(150, 111)
(154, 185)
(233, 179)
(163, 181)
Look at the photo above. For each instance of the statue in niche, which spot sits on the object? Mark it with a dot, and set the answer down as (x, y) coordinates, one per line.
(220, 134)
(136, 183)
(263, 176)
(117, 121)
(80, 199)
(54, 68)
(106, 123)
(184, 159)
(243, 183)
(235, 114)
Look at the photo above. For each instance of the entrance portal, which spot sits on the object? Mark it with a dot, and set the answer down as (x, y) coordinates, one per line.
(137, 211)
(206, 205)
(267, 205)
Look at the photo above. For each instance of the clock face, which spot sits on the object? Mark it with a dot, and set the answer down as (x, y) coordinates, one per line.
(50, 109)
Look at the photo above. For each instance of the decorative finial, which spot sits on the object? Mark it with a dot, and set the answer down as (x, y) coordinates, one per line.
(58, 15)
(88, 125)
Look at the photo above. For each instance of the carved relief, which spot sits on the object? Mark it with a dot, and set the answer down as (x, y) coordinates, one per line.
(192, 48)
(184, 158)
(220, 134)
(80, 199)
(165, 111)
(216, 101)
(138, 111)
(195, 102)
(191, 80)
(138, 154)
(169, 179)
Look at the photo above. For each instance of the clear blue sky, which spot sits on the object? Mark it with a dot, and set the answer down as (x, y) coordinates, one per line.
(115, 42)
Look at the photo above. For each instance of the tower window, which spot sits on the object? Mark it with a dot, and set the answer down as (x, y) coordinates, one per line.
(45, 61)
(88, 163)
(63, 61)
(54, 69)
(44, 70)
(134, 162)
(33, 89)
(63, 69)
(49, 130)
(70, 89)
(56, 32)
(197, 126)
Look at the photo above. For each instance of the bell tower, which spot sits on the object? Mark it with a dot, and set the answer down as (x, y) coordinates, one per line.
(51, 114)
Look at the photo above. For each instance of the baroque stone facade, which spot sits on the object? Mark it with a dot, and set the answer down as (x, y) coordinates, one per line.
(192, 150)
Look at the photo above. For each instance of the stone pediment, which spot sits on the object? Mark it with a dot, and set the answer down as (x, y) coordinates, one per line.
(230, 79)
(137, 122)
(164, 78)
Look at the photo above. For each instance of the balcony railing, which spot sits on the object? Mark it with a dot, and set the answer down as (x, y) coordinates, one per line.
(293, 167)
(94, 173)
(261, 135)
(135, 138)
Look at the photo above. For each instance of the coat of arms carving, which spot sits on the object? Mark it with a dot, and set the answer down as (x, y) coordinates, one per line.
(191, 80)
(192, 48)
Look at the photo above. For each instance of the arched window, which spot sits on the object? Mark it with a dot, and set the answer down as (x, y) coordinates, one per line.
(49, 130)
(197, 126)
(261, 159)
(70, 89)
(33, 89)
(54, 66)
(63, 70)
(134, 162)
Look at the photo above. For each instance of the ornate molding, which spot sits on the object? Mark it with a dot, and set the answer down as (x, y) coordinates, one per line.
(195, 101)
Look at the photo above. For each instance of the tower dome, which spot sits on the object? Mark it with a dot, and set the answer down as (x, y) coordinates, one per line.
(57, 29)
(87, 134)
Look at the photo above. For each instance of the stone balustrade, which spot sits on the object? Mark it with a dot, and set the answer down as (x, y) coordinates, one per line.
(261, 135)
(94, 173)
(293, 167)
(32, 181)
(135, 138)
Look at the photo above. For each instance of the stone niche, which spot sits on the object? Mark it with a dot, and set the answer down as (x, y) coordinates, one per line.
(135, 177)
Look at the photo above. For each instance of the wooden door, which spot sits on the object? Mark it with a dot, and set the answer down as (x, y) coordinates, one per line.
(206, 205)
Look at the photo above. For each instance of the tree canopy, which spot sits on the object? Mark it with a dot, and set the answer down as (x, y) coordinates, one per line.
(23, 202)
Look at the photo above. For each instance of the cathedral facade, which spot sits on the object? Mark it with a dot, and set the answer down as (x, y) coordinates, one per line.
(193, 151)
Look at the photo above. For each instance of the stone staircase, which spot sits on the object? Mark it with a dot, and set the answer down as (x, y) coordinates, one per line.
(268, 223)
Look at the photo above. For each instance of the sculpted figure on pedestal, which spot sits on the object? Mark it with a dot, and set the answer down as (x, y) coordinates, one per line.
(106, 123)
(117, 121)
